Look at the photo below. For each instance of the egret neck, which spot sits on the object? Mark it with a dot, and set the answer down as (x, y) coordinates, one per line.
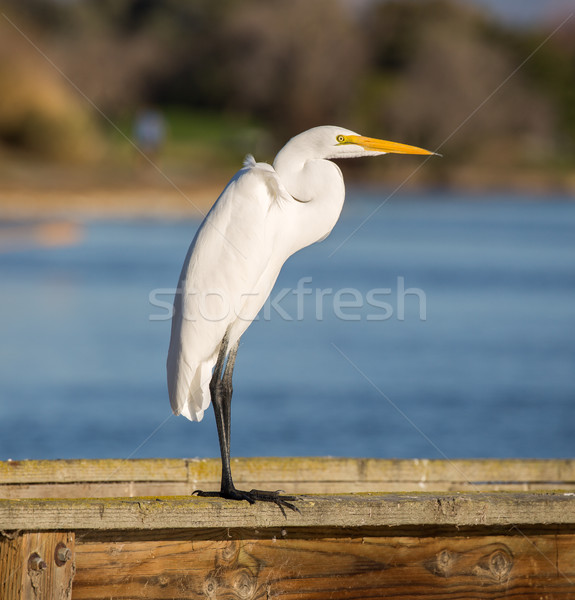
(317, 184)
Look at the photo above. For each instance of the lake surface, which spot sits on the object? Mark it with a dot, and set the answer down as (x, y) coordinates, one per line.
(430, 326)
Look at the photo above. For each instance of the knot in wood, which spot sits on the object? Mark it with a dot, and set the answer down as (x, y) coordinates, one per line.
(500, 564)
(230, 552)
(245, 584)
(445, 562)
(211, 587)
(442, 564)
(495, 566)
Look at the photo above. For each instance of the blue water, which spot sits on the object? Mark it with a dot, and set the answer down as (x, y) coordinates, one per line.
(434, 326)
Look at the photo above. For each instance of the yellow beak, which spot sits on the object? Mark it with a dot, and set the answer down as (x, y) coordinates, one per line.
(384, 146)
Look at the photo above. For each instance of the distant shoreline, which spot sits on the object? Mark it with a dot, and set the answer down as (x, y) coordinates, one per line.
(193, 200)
(107, 202)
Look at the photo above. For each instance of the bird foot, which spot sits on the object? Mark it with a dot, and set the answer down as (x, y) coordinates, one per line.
(254, 496)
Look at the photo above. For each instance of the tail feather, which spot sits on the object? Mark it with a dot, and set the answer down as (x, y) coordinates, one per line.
(190, 396)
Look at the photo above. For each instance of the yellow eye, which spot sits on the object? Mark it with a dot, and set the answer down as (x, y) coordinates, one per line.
(340, 139)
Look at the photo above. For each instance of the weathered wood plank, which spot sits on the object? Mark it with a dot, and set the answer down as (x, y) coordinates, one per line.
(120, 489)
(419, 471)
(542, 566)
(50, 471)
(132, 489)
(37, 565)
(372, 474)
(363, 510)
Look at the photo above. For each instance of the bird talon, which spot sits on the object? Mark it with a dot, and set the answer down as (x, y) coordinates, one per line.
(206, 494)
(252, 497)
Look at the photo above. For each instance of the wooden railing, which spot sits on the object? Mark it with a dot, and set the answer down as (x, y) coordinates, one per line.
(366, 529)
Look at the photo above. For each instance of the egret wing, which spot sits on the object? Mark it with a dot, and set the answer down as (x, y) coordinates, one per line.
(223, 283)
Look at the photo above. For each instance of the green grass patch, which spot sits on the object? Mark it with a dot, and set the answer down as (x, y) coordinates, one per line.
(208, 139)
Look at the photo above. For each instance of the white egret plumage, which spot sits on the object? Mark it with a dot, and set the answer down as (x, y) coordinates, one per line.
(264, 215)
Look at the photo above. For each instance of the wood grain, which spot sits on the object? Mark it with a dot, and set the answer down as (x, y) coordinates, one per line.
(120, 489)
(62, 471)
(542, 566)
(353, 510)
(73, 478)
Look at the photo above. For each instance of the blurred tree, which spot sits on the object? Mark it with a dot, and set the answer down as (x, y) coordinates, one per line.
(441, 64)
(416, 70)
(551, 71)
(297, 64)
(188, 37)
(39, 112)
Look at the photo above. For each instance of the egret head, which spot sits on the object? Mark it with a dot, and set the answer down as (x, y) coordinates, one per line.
(304, 166)
(351, 145)
(329, 142)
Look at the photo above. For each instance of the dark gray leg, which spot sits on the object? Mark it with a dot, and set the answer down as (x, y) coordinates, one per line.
(221, 391)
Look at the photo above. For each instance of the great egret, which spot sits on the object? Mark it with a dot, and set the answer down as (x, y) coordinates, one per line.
(264, 215)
